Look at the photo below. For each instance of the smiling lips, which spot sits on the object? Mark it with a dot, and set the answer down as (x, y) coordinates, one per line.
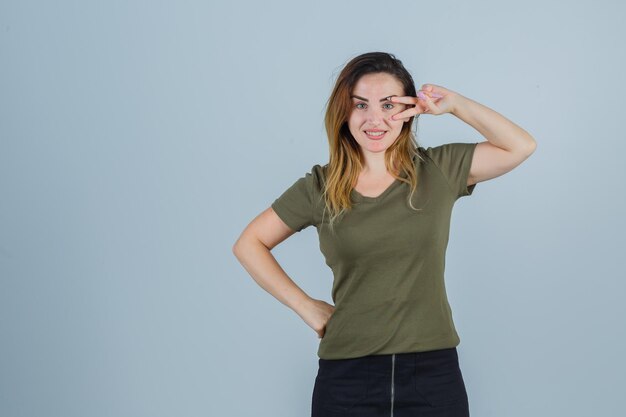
(375, 134)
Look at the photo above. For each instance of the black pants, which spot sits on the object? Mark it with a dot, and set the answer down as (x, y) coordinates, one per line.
(424, 384)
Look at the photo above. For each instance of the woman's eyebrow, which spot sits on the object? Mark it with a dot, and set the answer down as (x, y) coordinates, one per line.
(382, 99)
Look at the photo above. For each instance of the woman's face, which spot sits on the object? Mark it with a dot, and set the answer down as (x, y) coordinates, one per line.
(371, 112)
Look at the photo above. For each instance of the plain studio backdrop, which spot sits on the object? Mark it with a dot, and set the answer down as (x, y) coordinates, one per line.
(138, 139)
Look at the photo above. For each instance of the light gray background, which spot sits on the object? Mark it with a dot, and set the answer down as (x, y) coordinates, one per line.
(138, 139)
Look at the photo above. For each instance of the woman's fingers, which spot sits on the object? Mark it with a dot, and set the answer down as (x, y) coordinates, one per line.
(425, 96)
(432, 94)
(414, 100)
(404, 99)
(423, 103)
(430, 89)
(407, 113)
(430, 105)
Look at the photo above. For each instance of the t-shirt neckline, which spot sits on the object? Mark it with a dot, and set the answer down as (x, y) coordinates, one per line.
(365, 199)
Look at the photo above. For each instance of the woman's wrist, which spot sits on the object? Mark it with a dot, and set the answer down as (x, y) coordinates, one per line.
(300, 302)
(458, 103)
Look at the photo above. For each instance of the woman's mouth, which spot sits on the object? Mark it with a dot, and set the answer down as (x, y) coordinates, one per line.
(375, 135)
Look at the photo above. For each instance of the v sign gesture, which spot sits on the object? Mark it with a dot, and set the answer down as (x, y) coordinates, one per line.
(431, 99)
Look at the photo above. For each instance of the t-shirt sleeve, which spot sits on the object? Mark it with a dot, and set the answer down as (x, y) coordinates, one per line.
(454, 160)
(295, 205)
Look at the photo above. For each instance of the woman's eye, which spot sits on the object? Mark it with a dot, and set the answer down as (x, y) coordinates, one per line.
(386, 104)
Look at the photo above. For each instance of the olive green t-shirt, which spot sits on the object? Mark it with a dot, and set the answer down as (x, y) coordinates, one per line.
(387, 259)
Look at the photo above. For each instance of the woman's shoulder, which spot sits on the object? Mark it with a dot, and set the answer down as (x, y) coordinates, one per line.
(447, 153)
(317, 175)
(319, 170)
(446, 148)
(313, 179)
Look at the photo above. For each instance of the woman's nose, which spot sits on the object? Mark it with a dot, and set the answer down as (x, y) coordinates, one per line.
(375, 115)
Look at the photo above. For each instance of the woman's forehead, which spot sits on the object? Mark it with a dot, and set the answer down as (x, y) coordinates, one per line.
(377, 85)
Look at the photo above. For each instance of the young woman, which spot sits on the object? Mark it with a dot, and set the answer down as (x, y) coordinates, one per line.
(382, 207)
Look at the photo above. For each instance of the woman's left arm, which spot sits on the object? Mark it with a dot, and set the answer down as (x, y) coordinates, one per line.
(507, 145)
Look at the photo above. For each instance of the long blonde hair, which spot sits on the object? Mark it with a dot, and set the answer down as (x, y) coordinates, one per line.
(346, 160)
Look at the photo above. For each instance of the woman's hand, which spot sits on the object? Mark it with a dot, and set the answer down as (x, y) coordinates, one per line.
(316, 315)
(431, 99)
